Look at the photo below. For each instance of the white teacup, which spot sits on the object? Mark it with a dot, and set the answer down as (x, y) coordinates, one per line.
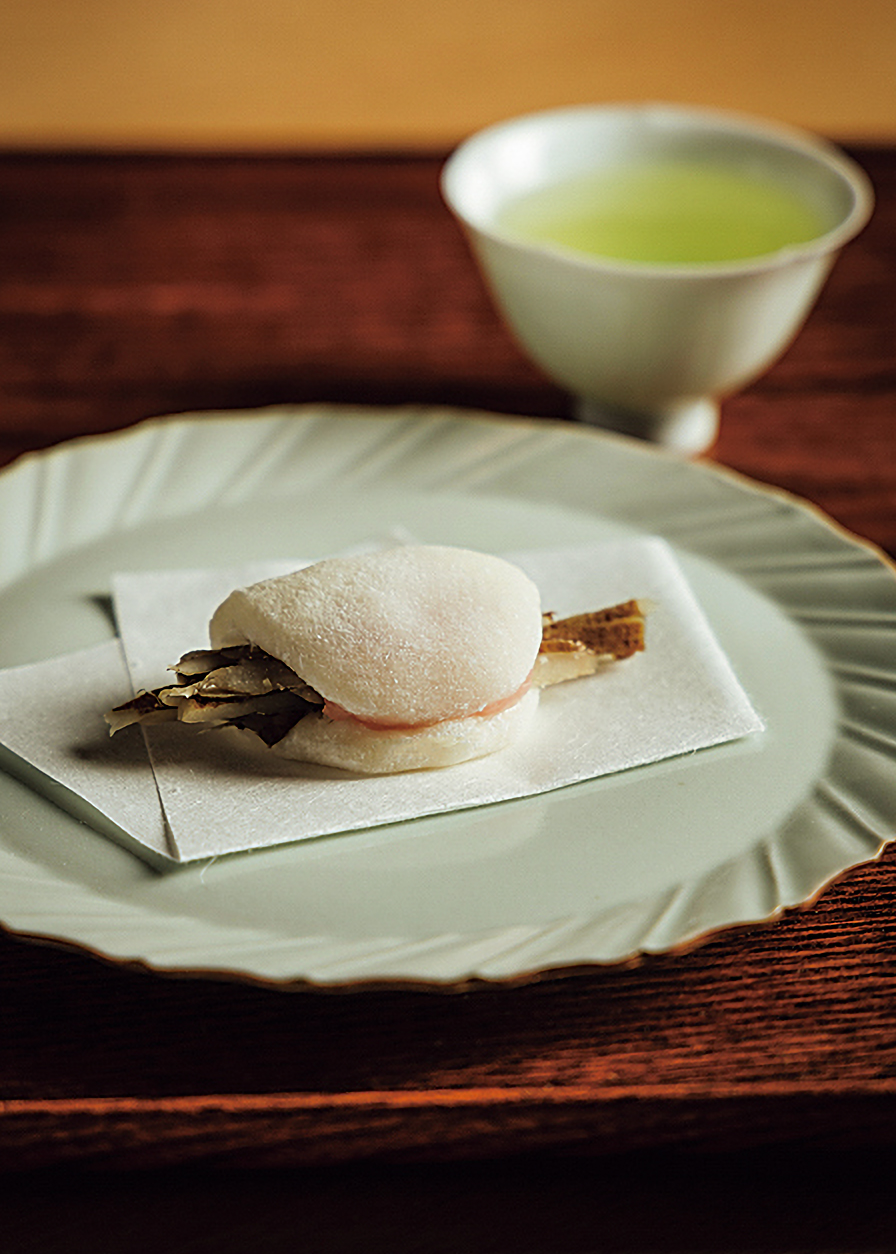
(648, 348)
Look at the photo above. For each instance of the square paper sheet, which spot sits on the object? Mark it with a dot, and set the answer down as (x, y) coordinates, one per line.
(220, 792)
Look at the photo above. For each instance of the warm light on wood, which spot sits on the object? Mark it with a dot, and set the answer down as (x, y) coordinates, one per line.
(355, 73)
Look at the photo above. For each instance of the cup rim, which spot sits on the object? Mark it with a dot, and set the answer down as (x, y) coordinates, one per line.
(783, 134)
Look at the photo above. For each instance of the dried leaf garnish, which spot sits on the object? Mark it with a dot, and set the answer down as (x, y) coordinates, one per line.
(583, 643)
(239, 686)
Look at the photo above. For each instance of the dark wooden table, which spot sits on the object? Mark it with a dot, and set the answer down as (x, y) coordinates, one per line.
(741, 1096)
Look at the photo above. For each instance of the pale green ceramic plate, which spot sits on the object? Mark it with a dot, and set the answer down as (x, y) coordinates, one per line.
(643, 861)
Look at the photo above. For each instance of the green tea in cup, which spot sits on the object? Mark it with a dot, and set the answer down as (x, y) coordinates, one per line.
(653, 258)
(665, 213)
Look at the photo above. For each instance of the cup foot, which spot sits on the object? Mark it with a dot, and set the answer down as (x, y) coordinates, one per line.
(685, 427)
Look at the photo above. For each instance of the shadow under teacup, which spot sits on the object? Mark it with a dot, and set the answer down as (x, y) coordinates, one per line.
(654, 258)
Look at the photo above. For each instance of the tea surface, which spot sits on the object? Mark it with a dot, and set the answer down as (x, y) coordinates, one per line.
(665, 213)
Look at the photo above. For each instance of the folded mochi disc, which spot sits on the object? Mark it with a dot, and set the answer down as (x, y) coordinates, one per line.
(402, 637)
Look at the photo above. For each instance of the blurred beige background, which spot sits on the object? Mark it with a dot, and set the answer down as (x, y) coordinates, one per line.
(373, 73)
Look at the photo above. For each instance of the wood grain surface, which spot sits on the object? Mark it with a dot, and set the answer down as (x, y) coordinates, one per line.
(139, 285)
